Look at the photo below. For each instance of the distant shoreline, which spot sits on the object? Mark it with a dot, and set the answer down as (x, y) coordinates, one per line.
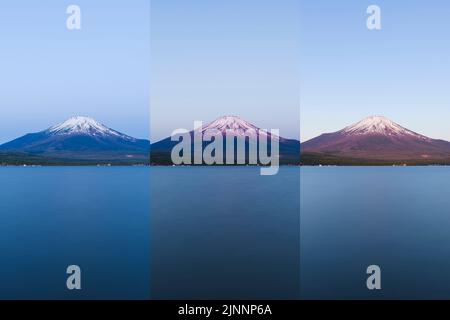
(305, 160)
(214, 166)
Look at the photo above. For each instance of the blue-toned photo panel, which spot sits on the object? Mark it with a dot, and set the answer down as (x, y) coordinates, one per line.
(375, 150)
(74, 150)
(225, 149)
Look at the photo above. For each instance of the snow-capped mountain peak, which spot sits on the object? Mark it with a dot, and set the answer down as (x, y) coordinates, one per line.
(230, 123)
(234, 125)
(82, 125)
(379, 125)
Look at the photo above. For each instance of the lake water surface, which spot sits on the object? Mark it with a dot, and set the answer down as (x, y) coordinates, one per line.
(94, 217)
(394, 217)
(224, 232)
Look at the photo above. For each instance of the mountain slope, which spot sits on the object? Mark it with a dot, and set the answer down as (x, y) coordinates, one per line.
(234, 127)
(378, 139)
(80, 138)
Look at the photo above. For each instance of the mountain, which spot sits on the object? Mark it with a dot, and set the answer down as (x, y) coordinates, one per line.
(375, 140)
(80, 138)
(235, 127)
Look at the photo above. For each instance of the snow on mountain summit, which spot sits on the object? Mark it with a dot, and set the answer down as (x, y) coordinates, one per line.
(85, 126)
(380, 125)
(230, 123)
(235, 126)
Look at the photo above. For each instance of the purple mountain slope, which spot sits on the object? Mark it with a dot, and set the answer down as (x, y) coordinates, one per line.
(236, 127)
(378, 138)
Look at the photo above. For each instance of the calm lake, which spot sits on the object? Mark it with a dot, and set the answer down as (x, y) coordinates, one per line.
(395, 217)
(224, 232)
(93, 217)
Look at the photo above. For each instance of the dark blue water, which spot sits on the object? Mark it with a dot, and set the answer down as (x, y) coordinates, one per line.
(394, 217)
(97, 218)
(225, 232)
(215, 232)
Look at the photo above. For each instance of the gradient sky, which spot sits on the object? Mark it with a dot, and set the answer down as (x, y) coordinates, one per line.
(348, 72)
(233, 57)
(48, 74)
(268, 61)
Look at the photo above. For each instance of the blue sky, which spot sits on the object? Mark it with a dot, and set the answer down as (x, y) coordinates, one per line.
(348, 72)
(49, 74)
(270, 62)
(215, 58)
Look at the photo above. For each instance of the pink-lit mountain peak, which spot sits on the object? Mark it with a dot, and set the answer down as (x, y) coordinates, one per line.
(379, 125)
(236, 126)
(379, 138)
